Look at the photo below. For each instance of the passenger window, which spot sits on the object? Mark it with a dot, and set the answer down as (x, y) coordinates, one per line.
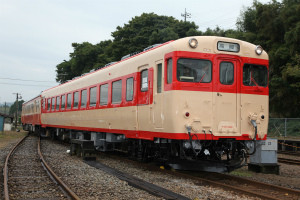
(75, 99)
(57, 103)
(83, 98)
(104, 94)
(129, 89)
(117, 91)
(144, 80)
(93, 96)
(53, 104)
(169, 70)
(159, 73)
(49, 103)
(63, 102)
(44, 103)
(69, 101)
(226, 73)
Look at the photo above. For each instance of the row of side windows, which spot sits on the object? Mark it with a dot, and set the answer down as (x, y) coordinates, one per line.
(65, 101)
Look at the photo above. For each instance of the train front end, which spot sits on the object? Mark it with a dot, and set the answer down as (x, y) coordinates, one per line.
(219, 89)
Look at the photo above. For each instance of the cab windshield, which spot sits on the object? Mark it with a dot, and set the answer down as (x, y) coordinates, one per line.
(255, 75)
(194, 70)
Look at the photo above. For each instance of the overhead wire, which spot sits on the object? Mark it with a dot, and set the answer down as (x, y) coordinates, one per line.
(26, 85)
(16, 79)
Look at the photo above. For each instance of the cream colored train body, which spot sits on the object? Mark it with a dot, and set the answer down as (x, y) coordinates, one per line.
(183, 95)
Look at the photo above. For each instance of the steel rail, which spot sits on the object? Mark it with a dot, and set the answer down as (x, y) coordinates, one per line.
(243, 181)
(238, 189)
(137, 182)
(292, 153)
(5, 169)
(57, 179)
(289, 161)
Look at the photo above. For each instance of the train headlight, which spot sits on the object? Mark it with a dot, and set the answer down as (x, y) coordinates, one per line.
(193, 43)
(258, 50)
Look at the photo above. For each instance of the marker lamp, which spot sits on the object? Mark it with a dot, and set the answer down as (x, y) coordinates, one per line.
(193, 43)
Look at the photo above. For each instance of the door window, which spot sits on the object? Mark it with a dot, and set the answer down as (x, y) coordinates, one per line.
(144, 80)
(159, 78)
(129, 89)
(226, 73)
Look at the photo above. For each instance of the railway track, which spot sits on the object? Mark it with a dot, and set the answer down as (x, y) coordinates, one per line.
(289, 161)
(28, 176)
(291, 153)
(138, 183)
(239, 185)
(243, 185)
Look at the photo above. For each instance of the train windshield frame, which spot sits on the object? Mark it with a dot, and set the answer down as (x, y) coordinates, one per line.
(194, 70)
(255, 75)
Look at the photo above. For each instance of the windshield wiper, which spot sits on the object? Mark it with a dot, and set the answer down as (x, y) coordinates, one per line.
(202, 77)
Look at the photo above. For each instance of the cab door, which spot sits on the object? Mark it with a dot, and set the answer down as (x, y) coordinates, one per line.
(225, 98)
(158, 115)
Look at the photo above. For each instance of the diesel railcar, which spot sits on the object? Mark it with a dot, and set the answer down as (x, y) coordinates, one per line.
(196, 102)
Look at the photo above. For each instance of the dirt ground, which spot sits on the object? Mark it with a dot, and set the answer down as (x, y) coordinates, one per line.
(8, 137)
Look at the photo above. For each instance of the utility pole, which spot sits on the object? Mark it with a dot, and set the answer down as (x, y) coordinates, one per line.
(5, 107)
(186, 15)
(17, 101)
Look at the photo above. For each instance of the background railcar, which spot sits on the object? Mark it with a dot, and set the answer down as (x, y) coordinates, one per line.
(31, 114)
(197, 98)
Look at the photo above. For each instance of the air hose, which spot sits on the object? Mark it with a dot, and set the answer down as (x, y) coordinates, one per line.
(253, 122)
(189, 129)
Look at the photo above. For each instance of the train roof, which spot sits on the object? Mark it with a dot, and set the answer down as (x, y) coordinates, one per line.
(206, 44)
(26, 102)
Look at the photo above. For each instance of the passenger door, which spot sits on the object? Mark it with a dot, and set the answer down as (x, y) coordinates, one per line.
(225, 98)
(144, 97)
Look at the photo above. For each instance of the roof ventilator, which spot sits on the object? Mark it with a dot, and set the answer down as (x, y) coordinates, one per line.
(150, 47)
(129, 55)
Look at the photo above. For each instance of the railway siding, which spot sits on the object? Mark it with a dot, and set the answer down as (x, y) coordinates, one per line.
(27, 179)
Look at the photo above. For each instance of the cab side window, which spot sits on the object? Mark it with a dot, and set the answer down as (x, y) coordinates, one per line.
(169, 70)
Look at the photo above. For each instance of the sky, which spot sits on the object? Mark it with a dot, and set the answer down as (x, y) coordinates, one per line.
(36, 35)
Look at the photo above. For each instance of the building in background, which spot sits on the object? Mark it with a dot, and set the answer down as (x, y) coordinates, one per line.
(5, 122)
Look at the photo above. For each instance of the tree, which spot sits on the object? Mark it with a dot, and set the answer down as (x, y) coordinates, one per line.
(13, 107)
(141, 32)
(276, 26)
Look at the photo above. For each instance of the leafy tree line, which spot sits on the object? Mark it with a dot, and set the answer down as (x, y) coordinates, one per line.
(13, 107)
(275, 26)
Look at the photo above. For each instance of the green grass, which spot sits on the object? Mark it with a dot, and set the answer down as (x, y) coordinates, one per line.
(241, 173)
